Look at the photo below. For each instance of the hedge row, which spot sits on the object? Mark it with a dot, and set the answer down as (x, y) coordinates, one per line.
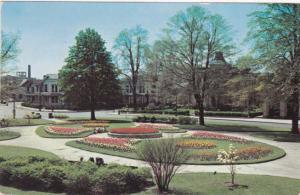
(230, 114)
(52, 175)
(172, 112)
(184, 120)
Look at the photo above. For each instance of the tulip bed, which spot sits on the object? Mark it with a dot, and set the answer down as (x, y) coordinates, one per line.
(135, 132)
(65, 130)
(196, 144)
(218, 136)
(121, 144)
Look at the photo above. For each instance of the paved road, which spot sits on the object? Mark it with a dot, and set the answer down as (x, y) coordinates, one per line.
(6, 112)
(286, 167)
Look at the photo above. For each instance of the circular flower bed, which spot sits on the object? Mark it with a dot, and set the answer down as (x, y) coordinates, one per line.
(121, 144)
(64, 130)
(164, 128)
(95, 125)
(196, 144)
(218, 136)
(135, 132)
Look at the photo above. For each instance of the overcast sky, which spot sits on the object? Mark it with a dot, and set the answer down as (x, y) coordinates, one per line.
(48, 29)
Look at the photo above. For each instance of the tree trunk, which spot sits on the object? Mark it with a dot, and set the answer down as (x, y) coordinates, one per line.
(200, 107)
(295, 112)
(134, 98)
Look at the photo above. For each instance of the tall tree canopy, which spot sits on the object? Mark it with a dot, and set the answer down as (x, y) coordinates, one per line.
(89, 77)
(275, 32)
(130, 46)
(191, 40)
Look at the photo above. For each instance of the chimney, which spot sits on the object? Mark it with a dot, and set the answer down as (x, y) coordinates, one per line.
(29, 71)
(219, 56)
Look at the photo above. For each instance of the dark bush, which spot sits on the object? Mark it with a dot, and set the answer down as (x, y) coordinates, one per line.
(54, 175)
(230, 114)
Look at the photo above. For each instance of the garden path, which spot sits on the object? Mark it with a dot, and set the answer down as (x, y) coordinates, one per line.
(286, 167)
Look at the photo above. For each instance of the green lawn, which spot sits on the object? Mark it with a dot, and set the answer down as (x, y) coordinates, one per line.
(24, 122)
(6, 135)
(13, 151)
(278, 136)
(208, 183)
(235, 126)
(15, 191)
(276, 152)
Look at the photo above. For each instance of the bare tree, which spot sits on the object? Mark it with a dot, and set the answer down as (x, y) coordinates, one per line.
(164, 157)
(130, 46)
(191, 40)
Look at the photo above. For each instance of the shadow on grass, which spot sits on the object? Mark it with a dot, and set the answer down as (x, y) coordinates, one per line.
(229, 128)
(278, 136)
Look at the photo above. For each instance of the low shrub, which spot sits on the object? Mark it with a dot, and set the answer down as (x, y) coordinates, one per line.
(186, 120)
(54, 175)
(134, 130)
(230, 113)
(60, 116)
(165, 119)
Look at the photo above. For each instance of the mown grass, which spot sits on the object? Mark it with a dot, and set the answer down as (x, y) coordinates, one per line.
(6, 135)
(236, 126)
(24, 122)
(209, 183)
(15, 191)
(14, 151)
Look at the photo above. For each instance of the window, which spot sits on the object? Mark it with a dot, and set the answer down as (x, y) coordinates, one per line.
(127, 88)
(32, 89)
(37, 88)
(54, 88)
(46, 88)
(141, 89)
(54, 99)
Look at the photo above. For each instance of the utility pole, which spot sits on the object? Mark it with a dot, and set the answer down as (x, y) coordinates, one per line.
(14, 105)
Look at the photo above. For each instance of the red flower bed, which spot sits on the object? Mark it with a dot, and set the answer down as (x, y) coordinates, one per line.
(253, 152)
(134, 130)
(64, 130)
(210, 135)
(111, 143)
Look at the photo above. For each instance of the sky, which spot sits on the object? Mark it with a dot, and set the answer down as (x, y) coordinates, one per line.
(48, 29)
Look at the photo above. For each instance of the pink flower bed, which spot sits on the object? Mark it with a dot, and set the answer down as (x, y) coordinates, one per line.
(122, 144)
(154, 126)
(64, 130)
(210, 135)
(134, 130)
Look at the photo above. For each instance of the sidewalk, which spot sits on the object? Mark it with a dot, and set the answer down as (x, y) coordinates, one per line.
(260, 120)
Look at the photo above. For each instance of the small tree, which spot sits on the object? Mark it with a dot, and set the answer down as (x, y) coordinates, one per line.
(164, 157)
(229, 158)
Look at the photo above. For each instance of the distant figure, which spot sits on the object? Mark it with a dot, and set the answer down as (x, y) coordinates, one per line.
(99, 161)
(81, 159)
(92, 159)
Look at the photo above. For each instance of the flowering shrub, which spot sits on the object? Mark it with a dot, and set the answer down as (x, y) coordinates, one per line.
(253, 152)
(64, 130)
(193, 143)
(210, 135)
(205, 155)
(110, 143)
(134, 130)
(95, 125)
(229, 158)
